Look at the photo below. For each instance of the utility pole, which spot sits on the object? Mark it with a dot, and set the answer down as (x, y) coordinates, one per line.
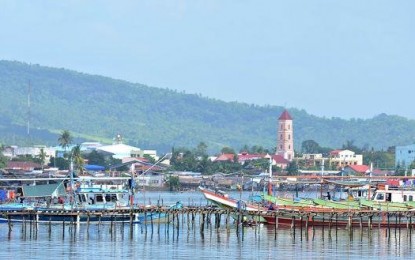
(29, 91)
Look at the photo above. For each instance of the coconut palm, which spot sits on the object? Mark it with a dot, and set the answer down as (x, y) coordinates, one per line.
(42, 157)
(77, 158)
(65, 139)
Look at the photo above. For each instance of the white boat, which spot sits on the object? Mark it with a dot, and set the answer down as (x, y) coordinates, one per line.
(222, 200)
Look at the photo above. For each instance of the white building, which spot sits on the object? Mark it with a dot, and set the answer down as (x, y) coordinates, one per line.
(15, 151)
(342, 158)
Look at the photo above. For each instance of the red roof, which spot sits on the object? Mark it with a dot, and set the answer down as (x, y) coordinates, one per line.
(335, 152)
(246, 157)
(360, 168)
(27, 166)
(378, 172)
(279, 159)
(225, 157)
(285, 116)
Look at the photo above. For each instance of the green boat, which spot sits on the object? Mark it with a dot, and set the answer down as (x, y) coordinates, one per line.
(297, 202)
(385, 206)
(346, 204)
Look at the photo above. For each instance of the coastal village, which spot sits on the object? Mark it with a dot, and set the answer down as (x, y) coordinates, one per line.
(207, 130)
(154, 171)
(353, 194)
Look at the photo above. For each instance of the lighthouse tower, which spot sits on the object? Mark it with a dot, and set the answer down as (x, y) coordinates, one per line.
(285, 137)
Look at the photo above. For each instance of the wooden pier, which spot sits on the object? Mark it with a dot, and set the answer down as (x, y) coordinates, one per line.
(220, 218)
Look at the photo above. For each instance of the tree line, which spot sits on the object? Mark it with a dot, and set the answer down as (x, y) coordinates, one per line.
(197, 159)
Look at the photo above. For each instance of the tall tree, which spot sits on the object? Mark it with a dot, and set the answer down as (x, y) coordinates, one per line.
(349, 145)
(3, 159)
(42, 157)
(310, 146)
(65, 139)
(95, 158)
(201, 149)
(292, 168)
(77, 158)
(227, 150)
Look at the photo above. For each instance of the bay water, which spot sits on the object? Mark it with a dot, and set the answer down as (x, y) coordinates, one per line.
(186, 241)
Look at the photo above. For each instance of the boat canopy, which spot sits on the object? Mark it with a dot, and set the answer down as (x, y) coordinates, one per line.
(44, 190)
(93, 167)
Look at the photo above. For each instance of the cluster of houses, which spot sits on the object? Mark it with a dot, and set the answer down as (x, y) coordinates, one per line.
(338, 162)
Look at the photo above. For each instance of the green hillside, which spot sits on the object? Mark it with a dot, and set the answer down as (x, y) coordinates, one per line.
(95, 108)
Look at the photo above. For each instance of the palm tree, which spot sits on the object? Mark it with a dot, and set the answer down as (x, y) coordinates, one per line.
(65, 139)
(42, 157)
(77, 158)
(3, 159)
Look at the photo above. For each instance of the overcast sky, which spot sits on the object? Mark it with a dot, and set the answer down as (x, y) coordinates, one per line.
(332, 58)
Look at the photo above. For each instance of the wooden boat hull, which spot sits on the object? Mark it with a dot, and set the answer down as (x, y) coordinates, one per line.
(75, 217)
(383, 219)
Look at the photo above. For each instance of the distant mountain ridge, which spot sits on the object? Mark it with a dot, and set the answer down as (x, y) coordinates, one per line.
(96, 108)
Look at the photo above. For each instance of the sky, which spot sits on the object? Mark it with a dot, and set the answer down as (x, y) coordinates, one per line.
(347, 59)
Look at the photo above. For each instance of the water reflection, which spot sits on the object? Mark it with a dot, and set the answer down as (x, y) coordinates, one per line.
(194, 237)
(42, 241)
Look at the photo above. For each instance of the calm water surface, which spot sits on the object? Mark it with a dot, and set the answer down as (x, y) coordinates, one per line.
(187, 242)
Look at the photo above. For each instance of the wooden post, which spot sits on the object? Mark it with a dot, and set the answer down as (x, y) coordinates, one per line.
(63, 229)
(202, 223)
(227, 220)
(159, 222)
(50, 225)
(9, 222)
(389, 227)
(369, 223)
(178, 221)
(275, 225)
(151, 220)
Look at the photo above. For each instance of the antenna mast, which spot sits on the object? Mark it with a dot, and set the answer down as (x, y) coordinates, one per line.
(28, 108)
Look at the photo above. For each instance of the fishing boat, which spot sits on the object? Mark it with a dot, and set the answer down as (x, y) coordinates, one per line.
(285, 203)
(57, 203)
(388, 198)
(389, 207)
(222, 200)
(341, 204)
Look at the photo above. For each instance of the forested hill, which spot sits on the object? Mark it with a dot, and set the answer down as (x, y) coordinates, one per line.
(96, 108)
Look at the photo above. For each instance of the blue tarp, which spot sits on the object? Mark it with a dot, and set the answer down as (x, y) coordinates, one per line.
(3, 195)
(92, 167)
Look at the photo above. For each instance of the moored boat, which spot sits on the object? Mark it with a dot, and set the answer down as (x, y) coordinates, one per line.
(222, 200)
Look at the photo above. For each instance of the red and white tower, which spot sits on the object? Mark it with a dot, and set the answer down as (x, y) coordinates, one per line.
(285, 137)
